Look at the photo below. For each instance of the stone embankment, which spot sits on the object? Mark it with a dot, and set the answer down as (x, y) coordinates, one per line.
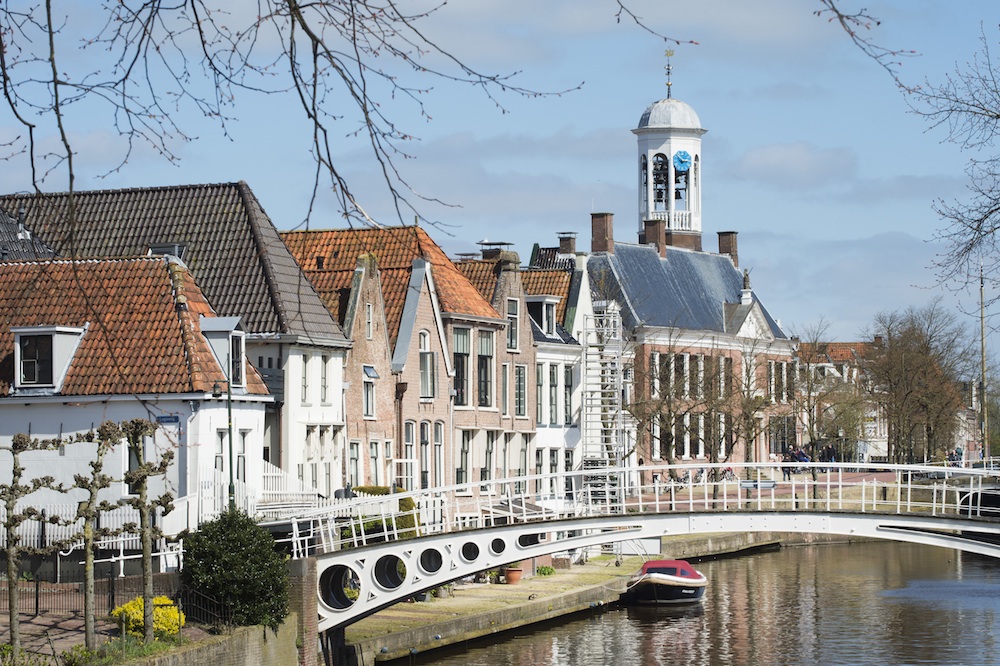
(475, 610)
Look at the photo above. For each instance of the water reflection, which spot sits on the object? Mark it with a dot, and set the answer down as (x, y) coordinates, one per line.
(872, 603)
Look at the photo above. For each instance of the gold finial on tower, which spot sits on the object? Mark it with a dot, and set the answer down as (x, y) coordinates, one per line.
(669, 68)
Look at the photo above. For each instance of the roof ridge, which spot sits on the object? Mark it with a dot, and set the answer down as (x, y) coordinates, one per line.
(175, 272)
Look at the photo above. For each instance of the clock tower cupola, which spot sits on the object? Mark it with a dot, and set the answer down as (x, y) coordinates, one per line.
(669, 141)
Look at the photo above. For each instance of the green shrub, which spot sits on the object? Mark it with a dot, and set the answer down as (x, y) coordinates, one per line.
(234, 560)
(167, 617)
(545, 570)
(406, 521)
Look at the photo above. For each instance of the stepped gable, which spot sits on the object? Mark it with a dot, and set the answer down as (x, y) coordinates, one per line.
(141, 317)
(220, 231)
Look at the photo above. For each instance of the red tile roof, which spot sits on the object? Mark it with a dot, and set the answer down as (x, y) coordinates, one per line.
(836, 352)
(548, 282)
(142, 325)
(329, 257)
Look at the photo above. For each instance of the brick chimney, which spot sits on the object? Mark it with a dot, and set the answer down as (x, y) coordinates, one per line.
(655, 233)
(727, 245)
(567, 242)
(602, 234)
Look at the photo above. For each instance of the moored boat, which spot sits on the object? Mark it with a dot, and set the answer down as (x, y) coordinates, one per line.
(666, 582)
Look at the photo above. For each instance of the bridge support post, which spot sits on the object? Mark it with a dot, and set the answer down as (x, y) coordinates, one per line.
(302, 585)
(334, 648)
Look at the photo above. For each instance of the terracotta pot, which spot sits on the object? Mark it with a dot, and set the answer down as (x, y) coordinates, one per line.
(512, 576)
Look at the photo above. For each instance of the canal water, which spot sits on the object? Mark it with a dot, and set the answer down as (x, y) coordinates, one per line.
(873, 603)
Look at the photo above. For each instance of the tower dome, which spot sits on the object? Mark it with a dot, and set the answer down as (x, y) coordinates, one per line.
(669, 113)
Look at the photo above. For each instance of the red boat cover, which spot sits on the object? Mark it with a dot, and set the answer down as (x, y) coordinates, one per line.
(671, 568)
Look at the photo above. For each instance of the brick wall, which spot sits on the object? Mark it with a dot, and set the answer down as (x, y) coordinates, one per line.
(246, 646)
(302, 586)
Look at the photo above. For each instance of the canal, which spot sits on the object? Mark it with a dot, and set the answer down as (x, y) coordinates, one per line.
(871, 603)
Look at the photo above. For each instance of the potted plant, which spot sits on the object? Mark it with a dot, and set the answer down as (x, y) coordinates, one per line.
(512, 573)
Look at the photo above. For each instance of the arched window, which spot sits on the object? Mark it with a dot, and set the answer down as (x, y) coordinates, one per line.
(660, 176)
(643, 182)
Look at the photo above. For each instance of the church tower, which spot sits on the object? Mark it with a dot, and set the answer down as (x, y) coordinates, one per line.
(669, 140)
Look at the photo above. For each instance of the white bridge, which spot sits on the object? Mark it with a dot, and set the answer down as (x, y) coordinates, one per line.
(375, 551)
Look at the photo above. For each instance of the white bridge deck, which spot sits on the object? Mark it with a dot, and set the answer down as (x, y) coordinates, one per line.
(375, 551)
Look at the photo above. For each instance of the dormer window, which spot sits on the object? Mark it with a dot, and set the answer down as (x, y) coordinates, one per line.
(550, 319)
(42, 354)
(543, 310)
(36, 360)
(226, 337)
(173, 249)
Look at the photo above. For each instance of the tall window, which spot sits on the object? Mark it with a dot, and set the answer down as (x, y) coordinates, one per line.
(36, 359)
(305, 378)
(568, 395)
(241, 455)
(425, 454)
(438, 452)
(462, 351)
(220, 450)
(369, 320)
(513, 315)
(485, 369)
(368, 392)
(462, 473)
(236, 359)
(505, 389)
(550, 318)
(553, 394)
(324, 379)
(353, 471)
(428, 364)
(539, 392)
(373, 453)
(487, 471)
(520, 390)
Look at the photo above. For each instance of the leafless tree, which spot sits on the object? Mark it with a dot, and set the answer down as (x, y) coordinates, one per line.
(919, 357)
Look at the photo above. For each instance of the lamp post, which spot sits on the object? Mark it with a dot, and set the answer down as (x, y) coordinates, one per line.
(217, 393)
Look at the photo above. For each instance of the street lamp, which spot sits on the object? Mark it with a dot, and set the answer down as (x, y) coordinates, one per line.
(217, 393)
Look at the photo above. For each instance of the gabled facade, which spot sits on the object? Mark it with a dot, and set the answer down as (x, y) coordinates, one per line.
(441, 338)
(499, 432)
(235, 254)
(84, 342)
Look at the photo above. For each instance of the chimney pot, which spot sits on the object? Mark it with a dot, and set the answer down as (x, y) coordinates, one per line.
(727, 245)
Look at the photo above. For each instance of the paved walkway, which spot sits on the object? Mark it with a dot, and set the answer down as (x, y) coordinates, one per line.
(54, 633)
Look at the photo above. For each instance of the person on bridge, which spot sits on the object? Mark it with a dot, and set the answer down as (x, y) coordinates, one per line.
(786, 468)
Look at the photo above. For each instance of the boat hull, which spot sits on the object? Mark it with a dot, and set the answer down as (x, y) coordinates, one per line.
(655, 590)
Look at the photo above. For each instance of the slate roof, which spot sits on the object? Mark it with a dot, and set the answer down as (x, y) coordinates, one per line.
(229, 243)
(549, 257)
(329, 257)
(562, 336)
(142, 325)
(541, 282)
(686, 290)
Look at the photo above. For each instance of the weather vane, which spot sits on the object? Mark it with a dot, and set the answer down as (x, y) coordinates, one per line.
(669, 68)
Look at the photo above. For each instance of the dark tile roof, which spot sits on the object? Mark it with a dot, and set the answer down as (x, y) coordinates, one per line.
(17, 242)
(549, 258)
(329, 257)
(562, 336)
(142, 324)
(687, 290)
(228, 242)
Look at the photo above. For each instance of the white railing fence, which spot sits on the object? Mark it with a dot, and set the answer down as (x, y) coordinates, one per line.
(927, 490)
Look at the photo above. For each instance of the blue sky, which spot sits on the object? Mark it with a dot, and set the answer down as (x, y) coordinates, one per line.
(811, 153)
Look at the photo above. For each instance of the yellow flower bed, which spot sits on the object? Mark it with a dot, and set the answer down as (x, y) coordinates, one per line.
(167, 617)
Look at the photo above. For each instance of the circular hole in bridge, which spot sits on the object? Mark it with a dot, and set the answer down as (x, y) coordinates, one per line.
(431, 561)
(339, 587)
(497, 546)
(526, 540)
(470, 551)
(390, 572)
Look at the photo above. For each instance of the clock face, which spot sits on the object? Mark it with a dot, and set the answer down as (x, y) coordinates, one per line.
(682, 160)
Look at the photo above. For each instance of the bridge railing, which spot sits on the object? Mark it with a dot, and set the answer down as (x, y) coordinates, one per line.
(772, 486)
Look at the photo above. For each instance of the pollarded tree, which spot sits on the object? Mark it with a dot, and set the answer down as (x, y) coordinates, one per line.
(136, 433)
